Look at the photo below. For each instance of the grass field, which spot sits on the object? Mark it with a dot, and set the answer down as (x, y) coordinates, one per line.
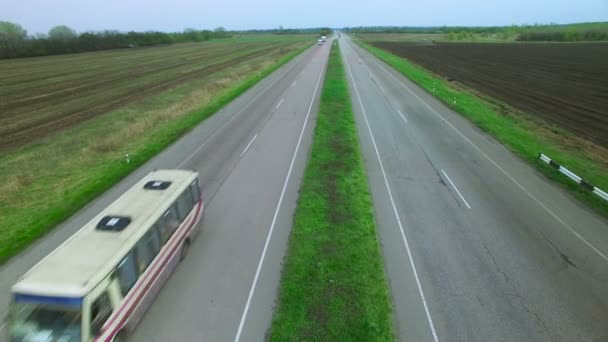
(44, 182)
(39, 96)
(333, 286)
(521, 132)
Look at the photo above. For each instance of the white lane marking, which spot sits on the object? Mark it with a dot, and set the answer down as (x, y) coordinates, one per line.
(455, 188)
(278, 105)
(248, 145)
(373, 78)
(378, 84)
(402, 116)
(245, 106)
(276, 212)
(396, 213)
(293, 84)
(557, 218)
(383, 92)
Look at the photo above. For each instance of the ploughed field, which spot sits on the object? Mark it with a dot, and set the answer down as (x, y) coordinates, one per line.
(41, 95)
(563, 83)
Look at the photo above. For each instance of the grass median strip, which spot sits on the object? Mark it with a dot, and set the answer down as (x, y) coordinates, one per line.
(522, 134)
(44, 183)
(333, 286)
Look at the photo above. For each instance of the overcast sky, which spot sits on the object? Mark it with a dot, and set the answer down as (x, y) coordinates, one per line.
(37, 16)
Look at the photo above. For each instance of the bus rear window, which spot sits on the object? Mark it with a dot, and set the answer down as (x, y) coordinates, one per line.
(32, 322)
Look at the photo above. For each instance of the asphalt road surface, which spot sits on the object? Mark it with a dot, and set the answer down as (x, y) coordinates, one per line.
(478, 246)
(251, 156)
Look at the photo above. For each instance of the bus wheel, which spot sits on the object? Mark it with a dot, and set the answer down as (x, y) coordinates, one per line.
(185, 248)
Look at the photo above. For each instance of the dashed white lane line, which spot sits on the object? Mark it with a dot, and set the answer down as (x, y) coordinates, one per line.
(276, 212)
(293, 84)
(521, 187)
(455, 188)
(396, 212)
(402, 116)
(278, 105)
(218, 131)
(384, 93)
(248, 145)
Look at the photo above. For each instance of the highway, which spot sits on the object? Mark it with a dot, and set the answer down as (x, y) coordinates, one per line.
(250, 156)
(478, 246)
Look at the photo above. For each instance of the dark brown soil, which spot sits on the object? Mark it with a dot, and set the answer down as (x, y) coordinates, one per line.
(40, 96)
(563, 83)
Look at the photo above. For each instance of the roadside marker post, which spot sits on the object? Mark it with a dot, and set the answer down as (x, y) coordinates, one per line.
(586, 185)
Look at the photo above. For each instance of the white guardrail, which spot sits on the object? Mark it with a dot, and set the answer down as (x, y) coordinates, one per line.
(574, 177)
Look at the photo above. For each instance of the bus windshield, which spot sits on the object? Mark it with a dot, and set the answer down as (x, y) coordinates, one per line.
(33, 322)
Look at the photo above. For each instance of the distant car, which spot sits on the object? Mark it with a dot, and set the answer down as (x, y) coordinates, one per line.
(320, 42)
(324, 38)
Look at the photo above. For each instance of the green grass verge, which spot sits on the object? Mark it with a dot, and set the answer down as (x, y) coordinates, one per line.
(333, 285)
(519, 133)
(24, 224)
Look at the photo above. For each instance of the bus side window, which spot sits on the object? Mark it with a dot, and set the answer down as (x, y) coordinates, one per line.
(101, 310)
(195, 190)
(184, 205)
(155, 242)
(127, 273)
(147, 248)
(168, 224)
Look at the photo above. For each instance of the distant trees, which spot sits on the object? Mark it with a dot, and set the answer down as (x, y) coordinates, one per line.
(14, 41)
(62, 33)
(563, 36)
(552, 32)
(325, 31)
(62, 38)
(220, 32)
(462, 35)
(12, 37)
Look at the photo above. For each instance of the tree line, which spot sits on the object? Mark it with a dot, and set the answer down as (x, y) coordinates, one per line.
(550, 32)
(15, 42)
(563, 36)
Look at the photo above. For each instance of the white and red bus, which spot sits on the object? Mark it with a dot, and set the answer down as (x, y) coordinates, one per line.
(97, 285)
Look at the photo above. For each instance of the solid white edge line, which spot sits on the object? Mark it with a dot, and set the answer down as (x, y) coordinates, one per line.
(402, 116)
(276, 213)
(395, 211)
(278, 105)
(248, 145)
(245, 106)
(557, 218)
(455, 188)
